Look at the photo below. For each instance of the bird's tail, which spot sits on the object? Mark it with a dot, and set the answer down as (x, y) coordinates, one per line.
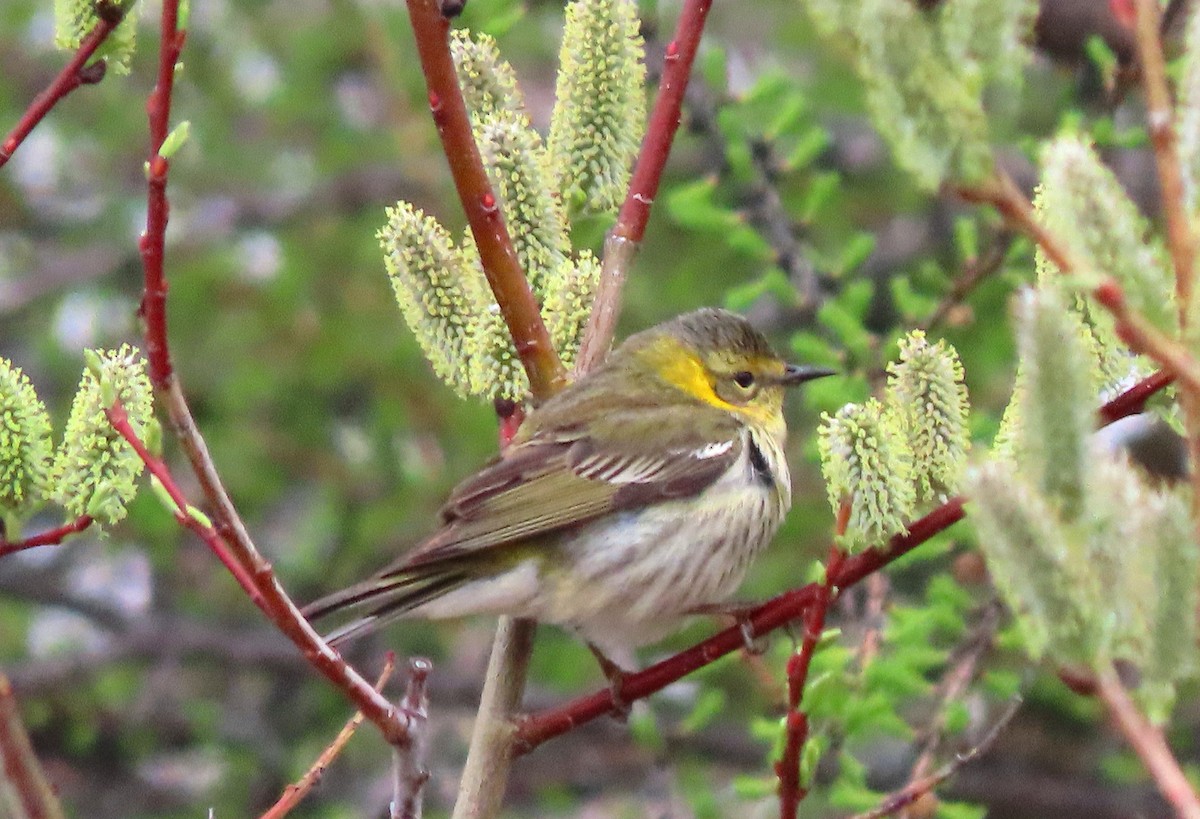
(387, 597)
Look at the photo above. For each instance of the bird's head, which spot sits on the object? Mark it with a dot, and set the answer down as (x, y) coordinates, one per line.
(717, 357)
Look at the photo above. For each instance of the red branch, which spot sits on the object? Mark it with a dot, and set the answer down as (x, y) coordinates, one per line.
(34, 795)
(791, 791)
(630, 228)
(182, 511)
(1148, 742)
(535, 729)
(47, 538)
(158, 110)
(776, 612)
(73, 75)
(1133, 400)
(500, 262)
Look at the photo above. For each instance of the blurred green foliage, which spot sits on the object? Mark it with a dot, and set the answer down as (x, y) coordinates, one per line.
(338, 443)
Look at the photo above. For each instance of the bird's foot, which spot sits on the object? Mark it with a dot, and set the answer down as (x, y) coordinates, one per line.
(739, 613)
(616, 683)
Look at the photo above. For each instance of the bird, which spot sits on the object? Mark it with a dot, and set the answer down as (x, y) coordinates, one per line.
(635, 497)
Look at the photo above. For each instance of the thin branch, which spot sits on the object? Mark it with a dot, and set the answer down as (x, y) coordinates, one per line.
(775, 613)
(1134, 399)
(409, 771)
(623, 240)
(917, 788)
(151, 244)
(293, 794)
(537, 728)
(791, 790)
(485, 774)
(974, 272)
(47, 538)
(1004, 195)
(228, 538)
(964, 663)
(500, 262)
(1150, 745)
(74, 74)
(264, 589)
(1143, 337)
(1160, 121)
(21, 767)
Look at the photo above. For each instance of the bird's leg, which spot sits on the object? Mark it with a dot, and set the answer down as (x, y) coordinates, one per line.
(616, 682)
(739, 613)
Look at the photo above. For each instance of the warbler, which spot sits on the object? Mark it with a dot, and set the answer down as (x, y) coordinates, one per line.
(636, 496)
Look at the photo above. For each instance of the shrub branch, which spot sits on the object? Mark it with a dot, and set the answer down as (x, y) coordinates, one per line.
(74, 74)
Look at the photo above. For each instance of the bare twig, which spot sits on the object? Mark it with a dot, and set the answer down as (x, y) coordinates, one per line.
(409, 772)
(917, 788)
(47, 538)
(964, 662)
(1160, 121)
(791, 790)
(293, 794)
(74, 74)
(537, 728)
(22, 771)
(974, 272)
(1150, 745)
(775, 613)
(228, 538)
(1003, 194)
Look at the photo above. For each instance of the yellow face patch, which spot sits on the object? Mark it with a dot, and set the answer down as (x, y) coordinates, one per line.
(683, 369)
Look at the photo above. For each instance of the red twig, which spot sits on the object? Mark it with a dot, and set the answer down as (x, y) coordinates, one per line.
(73, 75)
(182, 511)
(537, 728)
(1150, 745)
(1133, 400)
(791, 790)
(151, 244)
(47, 538)
(500, 263)
(294, 793)
(623, 240)
(22, 771)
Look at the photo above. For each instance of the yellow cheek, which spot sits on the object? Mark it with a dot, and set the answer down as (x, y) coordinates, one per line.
(686, 372)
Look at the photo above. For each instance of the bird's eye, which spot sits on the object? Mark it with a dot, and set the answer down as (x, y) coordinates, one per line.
(744, 379)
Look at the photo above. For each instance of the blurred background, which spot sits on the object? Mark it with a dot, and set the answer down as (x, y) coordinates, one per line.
(153, 687)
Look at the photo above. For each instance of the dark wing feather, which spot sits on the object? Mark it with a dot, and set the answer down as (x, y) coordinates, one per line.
(563, 477)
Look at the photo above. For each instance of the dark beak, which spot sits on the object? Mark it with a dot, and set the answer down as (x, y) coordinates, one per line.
(795, 374)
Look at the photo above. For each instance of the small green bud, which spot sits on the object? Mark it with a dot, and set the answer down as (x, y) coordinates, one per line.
(439, 291)
(489, 84)
(175, 140)
(867, 463)
(926, 391)
(24, 443)
(600, 103)
(95, 469)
